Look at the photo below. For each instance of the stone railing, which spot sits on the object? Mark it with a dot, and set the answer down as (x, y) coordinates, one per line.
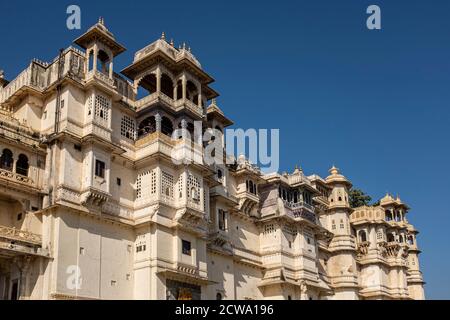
(20, 235)
(176, 105)
(23, 79)
(146, 100)
(15, 177)
(298, 205)
(100, 76)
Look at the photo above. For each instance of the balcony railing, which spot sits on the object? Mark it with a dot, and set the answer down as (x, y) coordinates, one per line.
(9, 175)
(100, 76)
(20, 235)
(298, 205)
(176, 105)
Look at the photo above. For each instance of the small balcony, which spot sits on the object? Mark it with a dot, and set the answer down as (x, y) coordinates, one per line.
(219, 238)
(95, 75)
(363, 248)
(175, 105)
(299, 205)
(18, 242)
(15, 177)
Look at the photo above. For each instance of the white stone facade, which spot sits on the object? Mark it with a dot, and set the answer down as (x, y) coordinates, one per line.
(88, 184)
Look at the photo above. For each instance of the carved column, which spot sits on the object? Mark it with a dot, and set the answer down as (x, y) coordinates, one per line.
(111, 69)
(158, 80)
(158, 122)
(184, 84)
(184, 128)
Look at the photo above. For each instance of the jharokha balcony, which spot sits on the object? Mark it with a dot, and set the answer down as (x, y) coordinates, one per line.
(176, 105)
(300, 209)
(15, 177)
(17, 242)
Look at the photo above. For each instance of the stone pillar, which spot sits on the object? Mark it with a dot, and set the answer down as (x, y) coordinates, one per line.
(184, 84)
(111, 69)
(175, 92)
(14, 164)
(94, 61)
(199, 97)
(158, 80)
(86, 67)
(158, 122)
(184, 128)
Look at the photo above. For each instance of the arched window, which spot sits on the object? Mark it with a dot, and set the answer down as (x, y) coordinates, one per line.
(410, 240)
(148, 82)
(362, 236)
(91, 60)
(147, 126)
(388, 214)
(6, 160)
(218, 296)
(179, 89)
(22, 165)
(167, 85)
(391, 237)
(102, 61)
(191, 91)
(166, 126)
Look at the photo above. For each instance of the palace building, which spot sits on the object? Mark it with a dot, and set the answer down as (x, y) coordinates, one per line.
(93, 206)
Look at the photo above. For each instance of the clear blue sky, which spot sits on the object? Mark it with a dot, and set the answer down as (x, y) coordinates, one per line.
(374, 103)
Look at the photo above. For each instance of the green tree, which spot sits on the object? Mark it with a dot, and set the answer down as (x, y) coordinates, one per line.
(358, 198)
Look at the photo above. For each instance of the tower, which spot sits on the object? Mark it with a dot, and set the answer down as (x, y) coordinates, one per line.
(342, 262)
(101, 48)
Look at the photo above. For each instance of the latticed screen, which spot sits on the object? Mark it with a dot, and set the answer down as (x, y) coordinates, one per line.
(145, 184)
(102, 106)
(167, 184)
(193, 186)
(128, 128)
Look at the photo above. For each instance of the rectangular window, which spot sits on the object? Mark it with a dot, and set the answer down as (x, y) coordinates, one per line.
(186, 247)
(119, 181)
(99, 168)
(222, 220)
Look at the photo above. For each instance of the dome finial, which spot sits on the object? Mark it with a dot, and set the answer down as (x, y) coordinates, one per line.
(334, 170)
(101, 21)
(163, 36)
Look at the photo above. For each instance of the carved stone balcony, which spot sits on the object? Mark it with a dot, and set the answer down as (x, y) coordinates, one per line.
(179, 151)
(20, 235)
(19, 242)
(95, 75)
(175, 105)
(15, 177)
(300, 210)
(363, 248)
(389, 249)
(247, 201)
